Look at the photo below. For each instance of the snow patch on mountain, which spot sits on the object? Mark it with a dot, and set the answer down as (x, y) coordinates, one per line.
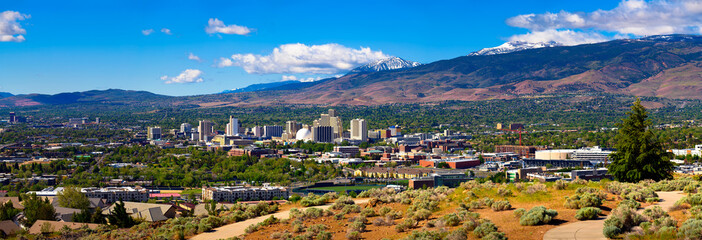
(515, 46)
(385, 64)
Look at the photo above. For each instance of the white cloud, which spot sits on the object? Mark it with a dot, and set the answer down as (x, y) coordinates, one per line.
(194, 57)
(10, 29)
(289, 78)
(217, 26)
(294, 78)
(565, 37)
(147, 32)
(630, 17)
(166, 31)
(299, 58)
(187, 76)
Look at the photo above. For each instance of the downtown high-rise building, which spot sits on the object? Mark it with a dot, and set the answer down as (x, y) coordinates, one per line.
(359, 129)
(257, 131)
(272, 131)
(232, 127)
(186, 128)
(324, 134)
(330, 119)
(291, 127)
(153, 133)
(205, 130)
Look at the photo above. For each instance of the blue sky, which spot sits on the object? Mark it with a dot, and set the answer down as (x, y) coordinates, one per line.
(65, 46)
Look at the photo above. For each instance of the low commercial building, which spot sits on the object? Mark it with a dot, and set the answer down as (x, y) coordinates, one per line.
(530, 162)
(397, 173)
(521, 174)
(114, 194)
(460, 163)
(241, 193)
(109, 194)
(450, 179)
(347, 151)
(591, 174)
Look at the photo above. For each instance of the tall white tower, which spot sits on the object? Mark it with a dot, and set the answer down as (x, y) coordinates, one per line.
(359, 129)
(232, 126)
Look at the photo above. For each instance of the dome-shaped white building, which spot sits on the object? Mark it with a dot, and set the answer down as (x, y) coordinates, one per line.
(303, 134)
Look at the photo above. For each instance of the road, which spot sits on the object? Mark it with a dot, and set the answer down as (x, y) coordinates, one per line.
(592, 229)
(238, 228)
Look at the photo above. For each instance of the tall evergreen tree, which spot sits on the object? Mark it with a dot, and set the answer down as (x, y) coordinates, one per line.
(119, 216)
(639, 154)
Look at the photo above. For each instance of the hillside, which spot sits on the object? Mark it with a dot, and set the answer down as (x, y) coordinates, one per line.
(110, 96)
(658, 66)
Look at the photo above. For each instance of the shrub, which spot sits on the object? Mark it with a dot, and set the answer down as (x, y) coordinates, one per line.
(451, 219)
(495, 236)
(519, 212)
(629, 203)
(368, 212)
(384, 210)
(624, 218)
(405, 225)
(357, 226)
(488, 201)
(342, 202)
(421, 214)
(501, 206)
(484, 229)
(536, 188)
(582, 200)
(458, 234)
(470, 225)
(587, 213)
(579, 181)
(653, 199)
(475, 205)
(691, 229)
(611, 231)
(504, 192)
(537, 215)
(660, 223)
(638, 193)
(654, 213)
(520, 186)
(383, 221)
(324, 235)
(560, 185)
(353, 235)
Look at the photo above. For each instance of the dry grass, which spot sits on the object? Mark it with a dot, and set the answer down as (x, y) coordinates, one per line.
(505, 220)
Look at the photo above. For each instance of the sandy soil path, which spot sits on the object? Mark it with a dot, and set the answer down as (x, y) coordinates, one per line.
(238, 228)
(592, 229)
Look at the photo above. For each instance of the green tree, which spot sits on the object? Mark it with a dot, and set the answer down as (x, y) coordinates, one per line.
(8, 211)
(36, 208)
(639, 153)
(71, 197)
(119, 216)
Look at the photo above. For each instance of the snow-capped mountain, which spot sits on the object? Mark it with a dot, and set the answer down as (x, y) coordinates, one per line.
(515, 46)
(385, 64)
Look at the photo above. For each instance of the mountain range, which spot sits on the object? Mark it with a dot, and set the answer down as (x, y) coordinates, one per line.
(5, 94)
(662, 66)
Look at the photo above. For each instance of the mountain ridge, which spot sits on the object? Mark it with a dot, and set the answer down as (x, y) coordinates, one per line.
(660, 66)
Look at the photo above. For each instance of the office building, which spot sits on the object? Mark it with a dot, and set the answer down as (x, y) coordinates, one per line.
(205, 130)
(395, 131)
(272, 131)
(186, 128)
(13, 117)
(359, 129)
(232, 127)
(323, 134)
(153, 133)
(257, 131)
(332, 120)
(291, 127)
(235, 193)
(77, 121)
